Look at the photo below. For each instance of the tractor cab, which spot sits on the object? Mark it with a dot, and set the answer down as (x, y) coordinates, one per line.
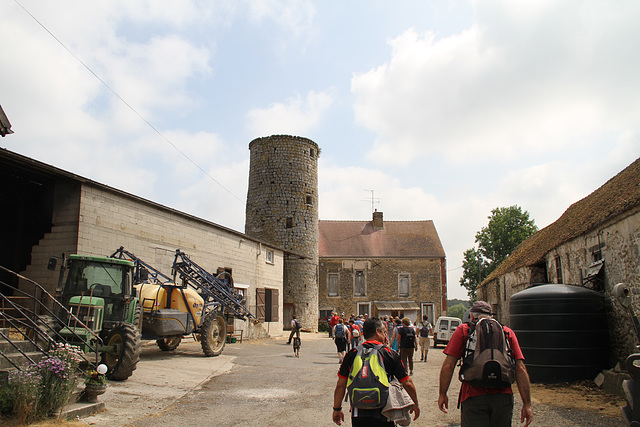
(98, 289)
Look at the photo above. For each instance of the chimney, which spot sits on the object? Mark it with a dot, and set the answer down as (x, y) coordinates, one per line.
(377, 220)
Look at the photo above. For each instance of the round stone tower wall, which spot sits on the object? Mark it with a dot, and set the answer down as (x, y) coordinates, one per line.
(282, 208)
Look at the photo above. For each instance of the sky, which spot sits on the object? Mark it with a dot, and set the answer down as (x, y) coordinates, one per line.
(424, 110)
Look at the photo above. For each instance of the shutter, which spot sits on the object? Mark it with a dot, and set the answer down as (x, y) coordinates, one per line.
(274, 306)
(260, 307)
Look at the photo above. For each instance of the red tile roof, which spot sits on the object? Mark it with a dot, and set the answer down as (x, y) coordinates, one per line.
(398, 239)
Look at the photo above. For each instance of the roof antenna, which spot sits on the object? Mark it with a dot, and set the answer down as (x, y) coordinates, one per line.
(373, 201)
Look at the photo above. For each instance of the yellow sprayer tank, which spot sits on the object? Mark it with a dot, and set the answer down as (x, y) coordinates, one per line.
(154, 297)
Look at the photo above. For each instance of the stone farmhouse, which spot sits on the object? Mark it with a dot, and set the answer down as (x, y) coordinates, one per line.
(48, 211)
(382, 268)
(595, 244)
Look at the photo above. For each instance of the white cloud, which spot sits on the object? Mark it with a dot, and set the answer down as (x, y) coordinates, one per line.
(524, 78)
(223, 201)
(294, 15)
(296, 116)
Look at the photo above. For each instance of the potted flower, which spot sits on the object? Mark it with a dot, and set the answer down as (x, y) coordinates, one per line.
(95, 384)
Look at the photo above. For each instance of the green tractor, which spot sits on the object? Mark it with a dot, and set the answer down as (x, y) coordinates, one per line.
(99, 292)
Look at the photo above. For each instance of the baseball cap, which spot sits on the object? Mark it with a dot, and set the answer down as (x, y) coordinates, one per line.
(481, 307)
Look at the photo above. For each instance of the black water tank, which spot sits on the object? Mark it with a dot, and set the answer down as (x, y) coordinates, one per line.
(562, 330)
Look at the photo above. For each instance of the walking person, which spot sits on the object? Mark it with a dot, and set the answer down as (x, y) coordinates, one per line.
(356, 334)
(407, 343)
(295, 328)
(484, 406)
(375, 335)
(394, 336)
(424, 330)
(333, 321)
(341, 338)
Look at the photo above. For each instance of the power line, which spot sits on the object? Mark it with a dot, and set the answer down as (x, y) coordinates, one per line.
(126, 103)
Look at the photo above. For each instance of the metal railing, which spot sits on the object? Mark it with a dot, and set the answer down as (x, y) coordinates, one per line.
(33, 317)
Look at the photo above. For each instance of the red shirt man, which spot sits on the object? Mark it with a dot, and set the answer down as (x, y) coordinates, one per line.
(485, 398)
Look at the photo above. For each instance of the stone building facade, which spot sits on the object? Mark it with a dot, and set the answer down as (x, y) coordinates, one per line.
(77, 215)
(595, 244)
(382, 268)
(282, 208)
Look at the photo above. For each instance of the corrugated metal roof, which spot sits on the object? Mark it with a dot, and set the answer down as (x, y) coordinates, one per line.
(398, 239)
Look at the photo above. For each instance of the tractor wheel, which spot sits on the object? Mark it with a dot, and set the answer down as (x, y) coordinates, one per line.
(137, 317)
(126, 338)
(169, 343)
(213, 332)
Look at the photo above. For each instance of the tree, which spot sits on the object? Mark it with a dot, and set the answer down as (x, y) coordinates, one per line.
(456, 311)
(507, 228)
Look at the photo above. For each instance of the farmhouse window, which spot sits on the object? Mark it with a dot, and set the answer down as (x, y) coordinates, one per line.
(360, 288)
(404, 285)
(267, 305)
(559, 269)
(332, 285)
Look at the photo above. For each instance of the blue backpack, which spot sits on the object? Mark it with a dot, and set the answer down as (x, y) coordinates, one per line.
(340, 330)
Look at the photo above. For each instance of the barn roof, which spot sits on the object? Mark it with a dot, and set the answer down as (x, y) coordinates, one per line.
(398, 239)
(617, 196)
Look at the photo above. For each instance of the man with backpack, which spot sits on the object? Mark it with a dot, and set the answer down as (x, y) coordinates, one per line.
(295, 328)
(407, 343)
(424, 330)
(365, 374)
(492, 359)
(356, 332)
(341, 338)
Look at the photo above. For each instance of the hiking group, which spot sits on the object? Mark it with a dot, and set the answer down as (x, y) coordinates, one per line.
(375, 374)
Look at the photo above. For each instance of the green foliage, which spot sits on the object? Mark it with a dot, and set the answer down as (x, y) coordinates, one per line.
(457, 311)
(93, 377)
(41, 390)
(507, 228)
(455, 301)
(6, 399)
(322, 326)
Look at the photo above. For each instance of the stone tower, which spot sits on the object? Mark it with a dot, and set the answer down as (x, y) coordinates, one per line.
(282, 208)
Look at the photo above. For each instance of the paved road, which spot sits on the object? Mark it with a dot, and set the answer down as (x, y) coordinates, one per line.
(261, 383)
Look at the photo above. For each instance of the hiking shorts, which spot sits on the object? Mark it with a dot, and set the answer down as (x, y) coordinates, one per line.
(487, 410)
(341, 344)
(423, 343)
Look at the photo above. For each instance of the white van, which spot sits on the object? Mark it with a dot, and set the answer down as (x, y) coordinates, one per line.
(444, 329)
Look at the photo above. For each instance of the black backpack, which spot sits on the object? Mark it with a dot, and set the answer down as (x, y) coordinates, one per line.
(488, 360)
(298, 325)
(407, 337)
(424, 331)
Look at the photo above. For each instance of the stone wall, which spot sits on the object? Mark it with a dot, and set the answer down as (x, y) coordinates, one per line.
(282, 208)
(108, 219)
(618, 244)
(381, 277)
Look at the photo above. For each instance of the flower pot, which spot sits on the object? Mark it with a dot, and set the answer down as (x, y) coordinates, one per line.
(92, 391)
